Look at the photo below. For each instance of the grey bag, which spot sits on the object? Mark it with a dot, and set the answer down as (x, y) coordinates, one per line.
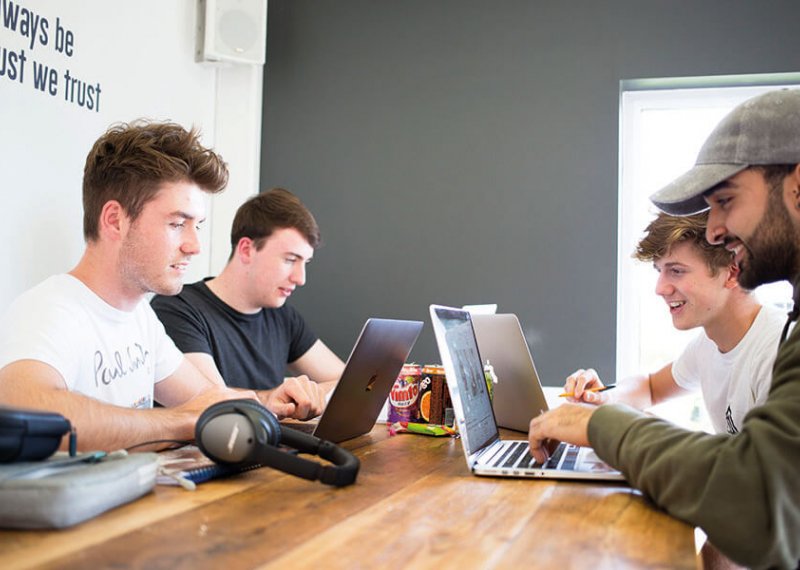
(63, 490)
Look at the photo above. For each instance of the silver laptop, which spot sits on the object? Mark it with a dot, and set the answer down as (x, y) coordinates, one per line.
(518, 394)
(485, 452)
(372, 367)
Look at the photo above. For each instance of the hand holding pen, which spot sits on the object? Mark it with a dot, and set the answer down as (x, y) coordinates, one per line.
(586, 386)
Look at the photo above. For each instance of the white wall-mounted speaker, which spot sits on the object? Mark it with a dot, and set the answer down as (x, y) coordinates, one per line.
(232, 31)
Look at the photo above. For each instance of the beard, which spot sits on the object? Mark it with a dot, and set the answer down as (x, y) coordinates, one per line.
(141, 269)
(772, 249)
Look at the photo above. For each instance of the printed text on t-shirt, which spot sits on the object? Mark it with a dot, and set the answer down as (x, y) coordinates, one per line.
(105, 373)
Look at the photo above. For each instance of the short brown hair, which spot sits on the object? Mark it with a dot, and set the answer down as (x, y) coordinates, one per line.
(131, 160)
(663, 233)
(276, 208)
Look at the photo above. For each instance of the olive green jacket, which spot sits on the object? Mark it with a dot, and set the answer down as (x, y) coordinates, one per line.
(742, 490)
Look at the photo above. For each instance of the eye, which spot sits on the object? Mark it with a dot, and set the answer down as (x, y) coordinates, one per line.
(722, 202)
(177, 225)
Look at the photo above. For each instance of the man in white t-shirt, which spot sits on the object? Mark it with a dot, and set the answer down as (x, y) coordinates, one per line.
(731, 359)
(87, 344)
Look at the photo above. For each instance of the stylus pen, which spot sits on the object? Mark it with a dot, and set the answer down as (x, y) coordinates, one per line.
(603, 389)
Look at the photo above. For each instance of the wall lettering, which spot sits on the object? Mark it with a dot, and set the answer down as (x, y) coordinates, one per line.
(33, 32)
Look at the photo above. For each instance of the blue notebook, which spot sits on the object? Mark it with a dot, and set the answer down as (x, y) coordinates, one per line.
(187, 466)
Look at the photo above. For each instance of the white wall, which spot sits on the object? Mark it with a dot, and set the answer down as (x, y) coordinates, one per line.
(141, 54)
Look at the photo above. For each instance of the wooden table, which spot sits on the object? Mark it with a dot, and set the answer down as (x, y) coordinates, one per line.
(414, 505)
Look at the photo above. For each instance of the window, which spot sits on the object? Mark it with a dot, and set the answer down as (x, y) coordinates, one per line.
(661, 132)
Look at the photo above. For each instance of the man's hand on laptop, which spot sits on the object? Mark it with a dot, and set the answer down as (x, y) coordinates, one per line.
(298, 398)
(568, 422)
(585, 386)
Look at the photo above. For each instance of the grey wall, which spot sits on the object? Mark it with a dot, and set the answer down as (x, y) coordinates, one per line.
(460, 151)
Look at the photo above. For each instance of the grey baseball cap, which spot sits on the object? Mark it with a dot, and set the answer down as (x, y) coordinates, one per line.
(761, 131)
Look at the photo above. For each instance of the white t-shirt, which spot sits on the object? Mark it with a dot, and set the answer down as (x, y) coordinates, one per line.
(112, 355)
(734, 382)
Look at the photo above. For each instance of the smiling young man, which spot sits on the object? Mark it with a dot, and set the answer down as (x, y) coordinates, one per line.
(86, 344)
(238, 326)
(741, 489)
(730, 361)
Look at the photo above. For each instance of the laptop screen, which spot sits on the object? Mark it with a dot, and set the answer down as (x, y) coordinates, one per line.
(462, 362)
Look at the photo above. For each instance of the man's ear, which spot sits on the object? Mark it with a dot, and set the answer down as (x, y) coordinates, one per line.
(793, 181)
(791, 191)
(113, 222)
(245, 249)
(732, 280)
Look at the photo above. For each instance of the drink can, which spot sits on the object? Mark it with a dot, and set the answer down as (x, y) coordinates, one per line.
(433, 394)
(404, 397)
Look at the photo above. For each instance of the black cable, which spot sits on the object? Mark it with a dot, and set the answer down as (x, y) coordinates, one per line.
(177, 443)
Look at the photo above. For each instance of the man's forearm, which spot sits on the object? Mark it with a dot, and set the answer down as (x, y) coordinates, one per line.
(101, 426)
(633, 391)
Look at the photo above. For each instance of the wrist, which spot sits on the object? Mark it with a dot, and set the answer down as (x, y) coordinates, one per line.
(264, 396)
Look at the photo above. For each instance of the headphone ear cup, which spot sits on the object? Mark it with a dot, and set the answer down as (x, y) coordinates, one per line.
(260, 415)
(227, 438)
(232, 431)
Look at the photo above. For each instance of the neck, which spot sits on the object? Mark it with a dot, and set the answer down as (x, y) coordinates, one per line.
(730, 329)
(100, 273)
(229, 287)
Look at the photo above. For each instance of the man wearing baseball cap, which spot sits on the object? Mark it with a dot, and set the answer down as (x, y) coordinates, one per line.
(742, 490)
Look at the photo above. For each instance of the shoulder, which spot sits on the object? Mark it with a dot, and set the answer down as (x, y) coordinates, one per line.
(57, 296)
(770, 318)
(755, 354)
(56, 288)
(767, 328)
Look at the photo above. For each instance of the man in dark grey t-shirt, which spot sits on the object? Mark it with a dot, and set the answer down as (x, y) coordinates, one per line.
(237, 325)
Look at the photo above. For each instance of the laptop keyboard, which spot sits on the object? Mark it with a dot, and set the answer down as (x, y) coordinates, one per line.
(518, 455)
(571, 457)
(514, 452)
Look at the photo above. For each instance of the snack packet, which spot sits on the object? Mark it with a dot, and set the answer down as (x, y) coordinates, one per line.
(423, 429)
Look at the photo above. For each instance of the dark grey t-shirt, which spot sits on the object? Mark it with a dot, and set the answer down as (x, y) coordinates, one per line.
(251, 351)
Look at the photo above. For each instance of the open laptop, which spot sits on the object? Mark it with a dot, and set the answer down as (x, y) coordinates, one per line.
(372, 367)
(518, 394)
(485, 452)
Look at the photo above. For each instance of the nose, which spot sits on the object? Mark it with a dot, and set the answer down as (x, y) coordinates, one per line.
(715, 228)
(299, 274)
(191, 241)
(663, 287)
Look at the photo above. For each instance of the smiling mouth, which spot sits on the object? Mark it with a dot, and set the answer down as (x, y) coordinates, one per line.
(737, 249)
(673, 305)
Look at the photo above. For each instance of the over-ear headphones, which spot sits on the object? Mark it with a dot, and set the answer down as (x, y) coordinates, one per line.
(32, 435)
(244, 432)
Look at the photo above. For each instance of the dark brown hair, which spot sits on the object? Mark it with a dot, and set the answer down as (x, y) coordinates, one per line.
(274, 209)
(131, 161)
